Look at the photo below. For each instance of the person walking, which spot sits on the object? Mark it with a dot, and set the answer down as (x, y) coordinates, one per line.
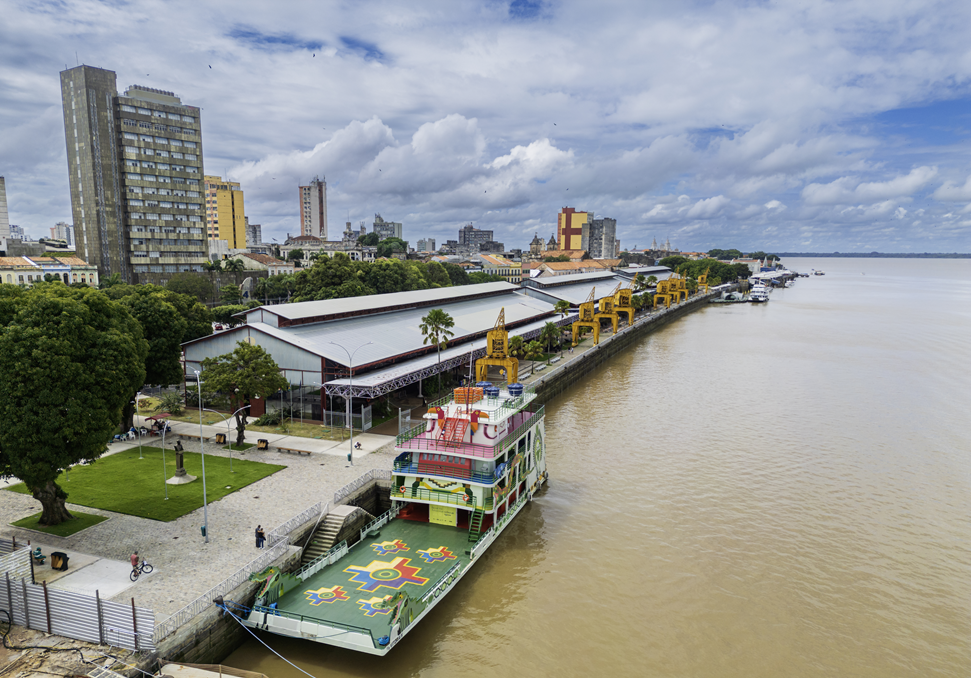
(260, 537)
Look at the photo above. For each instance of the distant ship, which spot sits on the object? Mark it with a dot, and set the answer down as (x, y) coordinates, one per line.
(759, 293)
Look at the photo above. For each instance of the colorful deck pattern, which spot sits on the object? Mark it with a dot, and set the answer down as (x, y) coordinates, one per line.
(407, 556)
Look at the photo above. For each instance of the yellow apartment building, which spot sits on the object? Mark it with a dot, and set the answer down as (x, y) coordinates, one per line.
(225, 216)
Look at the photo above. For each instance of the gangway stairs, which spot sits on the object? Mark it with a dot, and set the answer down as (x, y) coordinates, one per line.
(475, 525)
(454, 431)
(323, 539)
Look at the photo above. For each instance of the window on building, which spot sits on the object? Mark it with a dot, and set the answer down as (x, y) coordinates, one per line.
(162, 154)
(190, 156)
(189, 144)
(176, 142)
(161, 140)
(158, 114)
(148, 177)
(132, 149)
(127, 109)
(130, 135)
(176, 154)
(144, 111)
(188, 118)
(164, 180)
(145, 137)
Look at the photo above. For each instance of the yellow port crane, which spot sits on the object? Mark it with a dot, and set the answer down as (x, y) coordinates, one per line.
(497, 353)
(703, 281)
(622, 302)
(607, 311)
(586, 318)
(664, 293)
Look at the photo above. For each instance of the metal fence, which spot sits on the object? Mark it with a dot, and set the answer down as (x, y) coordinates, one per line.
(373, 474)
(78, 616)
(279, 540)
(17, 562)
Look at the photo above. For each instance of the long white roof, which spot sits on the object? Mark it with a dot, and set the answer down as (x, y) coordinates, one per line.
(377, 303)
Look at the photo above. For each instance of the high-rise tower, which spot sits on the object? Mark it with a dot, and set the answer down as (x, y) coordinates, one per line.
(313, 208)
(225, 217)
(135, 170)
(569, 228)
(4, 217)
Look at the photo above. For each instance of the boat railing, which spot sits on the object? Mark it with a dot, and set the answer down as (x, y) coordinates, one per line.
(285, 614)
(319, 563)
(490, 535)
(510, 404)
(441, 584)
(373, 474)
(443, 497)
(407, 442)
(381, 521)
(441, 472)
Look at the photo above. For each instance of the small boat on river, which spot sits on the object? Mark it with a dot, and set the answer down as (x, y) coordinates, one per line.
(759, 293)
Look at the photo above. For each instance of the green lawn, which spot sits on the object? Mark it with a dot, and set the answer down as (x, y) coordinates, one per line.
(126, 484)
(81, 521)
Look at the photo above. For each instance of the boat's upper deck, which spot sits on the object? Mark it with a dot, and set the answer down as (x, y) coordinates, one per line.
(407, 555)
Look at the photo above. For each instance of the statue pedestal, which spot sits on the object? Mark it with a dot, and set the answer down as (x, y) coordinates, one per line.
(180, 479)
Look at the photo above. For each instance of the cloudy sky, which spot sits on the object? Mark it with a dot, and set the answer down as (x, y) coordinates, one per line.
(786, 126)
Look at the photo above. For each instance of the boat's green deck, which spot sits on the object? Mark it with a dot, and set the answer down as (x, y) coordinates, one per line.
(407, 556)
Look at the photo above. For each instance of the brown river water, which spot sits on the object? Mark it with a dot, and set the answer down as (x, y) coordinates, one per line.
(774, 490)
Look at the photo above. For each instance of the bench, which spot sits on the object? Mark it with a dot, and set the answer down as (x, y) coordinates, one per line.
(195, 436)
(539, 369)
(555, 360)
(293, 451)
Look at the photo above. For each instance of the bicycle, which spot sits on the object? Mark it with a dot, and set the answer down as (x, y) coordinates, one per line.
(142, 567)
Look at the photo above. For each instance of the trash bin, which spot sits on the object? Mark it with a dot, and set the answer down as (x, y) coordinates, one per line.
(515, 390)
(59, 561)
(203, 528)
(221, 438)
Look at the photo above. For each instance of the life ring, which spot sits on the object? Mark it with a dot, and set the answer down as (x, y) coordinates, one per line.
(402, 489)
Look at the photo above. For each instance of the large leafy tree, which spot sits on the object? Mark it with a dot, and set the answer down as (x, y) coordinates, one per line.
(330, 278)
(193, 284)
(562, 307)
(436, 327)
(246, 373)
(389, 246)
(456, 274)
(549, 335)
(69, 361)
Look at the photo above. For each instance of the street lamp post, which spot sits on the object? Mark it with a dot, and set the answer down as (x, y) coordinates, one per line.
(202, 453)
(228, 431)
(164, 478)
(350, 393)
(137, 396)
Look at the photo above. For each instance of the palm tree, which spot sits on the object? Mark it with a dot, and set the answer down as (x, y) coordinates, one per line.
(549, 335)
(562, 307)
(651, 280)
(533, 349)
(639, 282)
(234, 265)
(213, 266)
(436, 328)
(516, 347)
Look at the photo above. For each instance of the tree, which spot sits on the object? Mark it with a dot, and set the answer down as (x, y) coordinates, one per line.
(533, 350)
(110, 281)
(436, 275)
(230, 294)
(368, 240)
(651, 281)
(456, 274)
(674, 261)
(193, 284)
(248, 372)
(69, 361)
(224, 314)
(330, 278)
(197, 317)
(213, 266)
(480, 277)
(516, 347)
(234, 266)
(562, 307)
(295, 255)
(436, 328)
(549, 335)
(389, 246)
(558, 257)
(640, 282)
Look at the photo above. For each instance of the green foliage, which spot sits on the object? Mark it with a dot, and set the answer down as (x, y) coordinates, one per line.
(70, 359)
(268, 419)
(481, 277)
(549, 335)
(295, 254)
(368, 240)
(456, 274)
(82, 521)
(389, 246)
(230, 294)
(724, 254)
(246, 373)
(558, 257)
(674, 262)
(330, 278)
(562, 307)
(110, 281)
(197, 317)
(193, 284)
(435, 274)
(533, 350)
(234, 265)
(171, 402)
(651, 280)
(224, 314)
(516, 347)
(275, 286)
(213, 266)
(436, 327)
(762, 255)
(164, 328)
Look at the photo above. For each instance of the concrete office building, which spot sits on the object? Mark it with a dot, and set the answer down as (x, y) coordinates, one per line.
(569, 228)
(313, 208)
(4, 216)
(386, 229)
(62, 231)
(135, 170)
(471, 236)
(425, 245)
(225, 216)
(254, 233)
(599, 238)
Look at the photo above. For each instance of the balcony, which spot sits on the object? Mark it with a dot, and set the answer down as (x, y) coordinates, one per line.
(439, 497)
(412, 440)
(428, 469)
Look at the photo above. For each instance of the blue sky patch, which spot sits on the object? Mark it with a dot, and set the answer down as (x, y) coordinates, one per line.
(366, 50)
(525, 9)
(270, 41)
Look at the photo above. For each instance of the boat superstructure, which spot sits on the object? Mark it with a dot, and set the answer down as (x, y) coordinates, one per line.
(759, 293)
(460, 477)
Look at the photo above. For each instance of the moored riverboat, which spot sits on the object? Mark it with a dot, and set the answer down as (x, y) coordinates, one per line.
(759, 294)
(460, 478)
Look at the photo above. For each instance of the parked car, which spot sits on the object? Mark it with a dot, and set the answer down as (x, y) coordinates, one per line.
(218, 326)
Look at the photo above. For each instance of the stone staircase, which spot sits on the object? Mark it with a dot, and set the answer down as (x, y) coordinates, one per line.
(324, 539)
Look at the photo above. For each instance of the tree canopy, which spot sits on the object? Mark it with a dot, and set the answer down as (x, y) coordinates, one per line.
(69, 361)
(389, 246)
(246, 373)
(193, 284)
(164, 328)
(368, 240)
(480, 277)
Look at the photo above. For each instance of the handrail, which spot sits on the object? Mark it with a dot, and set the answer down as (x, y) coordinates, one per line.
(489, 535)
(381, 520)
(332, 556)
(412, 468)
(274, 612)
(435, 590)
(373, 474)
(445, 498)
(514, 436)
(284, 530)
(474, 449)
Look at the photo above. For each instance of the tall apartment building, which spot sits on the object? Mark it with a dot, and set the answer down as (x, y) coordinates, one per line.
(569, 228)
(4, 216)
(313, 208)
(254, 233)
(386, 229)
(135, 170)
(599, 238)
(471, 236)
(62, 231)
(425, 245)
(225, 217)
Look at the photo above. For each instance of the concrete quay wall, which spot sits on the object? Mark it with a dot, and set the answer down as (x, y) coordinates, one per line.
(551, 385)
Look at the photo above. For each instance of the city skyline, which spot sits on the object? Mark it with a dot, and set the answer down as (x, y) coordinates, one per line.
(816, 127)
